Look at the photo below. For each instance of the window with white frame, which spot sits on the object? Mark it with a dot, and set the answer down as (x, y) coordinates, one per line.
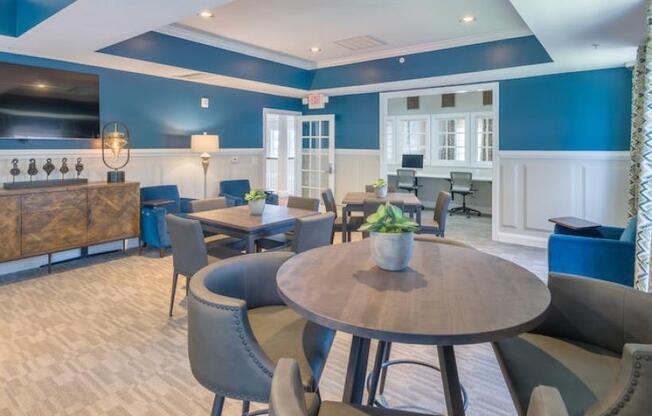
(451, 140)
(413, 135)
(484, 138)
(390, 138)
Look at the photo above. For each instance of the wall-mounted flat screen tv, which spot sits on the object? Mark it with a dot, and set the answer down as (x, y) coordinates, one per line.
(42, 103)
(412, 161)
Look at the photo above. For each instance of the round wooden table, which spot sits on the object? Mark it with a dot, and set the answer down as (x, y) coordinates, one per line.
(448, 296)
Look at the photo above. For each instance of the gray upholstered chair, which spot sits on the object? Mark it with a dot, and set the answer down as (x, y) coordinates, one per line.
(312, 232)
(188, 250)
(440, 216)
(239, 328)
(594, 348)
(406, 179)
(281, 241)
(310, 204)
(287, 398)
(353, 222)
(198, 205)
(462, 183)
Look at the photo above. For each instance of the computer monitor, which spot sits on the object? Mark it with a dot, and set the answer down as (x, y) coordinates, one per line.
(412, 161)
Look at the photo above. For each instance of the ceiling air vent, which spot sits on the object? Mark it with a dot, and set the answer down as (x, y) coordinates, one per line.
(359, 43)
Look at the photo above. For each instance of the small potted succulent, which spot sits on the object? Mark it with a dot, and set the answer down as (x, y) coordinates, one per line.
(392, 236)
(256, 201)
(381, 188)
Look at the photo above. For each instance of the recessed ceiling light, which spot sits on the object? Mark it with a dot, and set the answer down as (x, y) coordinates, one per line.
(206, 14)
(40, 86)
(467, 19)
(315, 49)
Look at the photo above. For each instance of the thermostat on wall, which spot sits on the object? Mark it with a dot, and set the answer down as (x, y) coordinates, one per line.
(204, 102)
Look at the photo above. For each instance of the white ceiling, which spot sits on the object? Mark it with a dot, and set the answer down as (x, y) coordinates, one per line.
(566, 28)
(292, 27)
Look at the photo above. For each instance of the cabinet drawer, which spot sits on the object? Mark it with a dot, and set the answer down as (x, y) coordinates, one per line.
(10, 227)
(50, 201)
(54, 230)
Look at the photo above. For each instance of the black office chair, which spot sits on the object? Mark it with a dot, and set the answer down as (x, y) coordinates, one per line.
(407, 180)
(462, 183)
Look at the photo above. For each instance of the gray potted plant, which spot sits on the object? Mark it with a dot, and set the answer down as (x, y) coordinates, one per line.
(392, 236)
(381, 188)
(256, 201)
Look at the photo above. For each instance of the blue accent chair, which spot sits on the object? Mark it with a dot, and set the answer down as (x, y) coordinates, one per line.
(153, 228)
(235, 190)
(605, 253)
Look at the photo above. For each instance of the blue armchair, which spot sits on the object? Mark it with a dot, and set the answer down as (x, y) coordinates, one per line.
(235, 190)
(153, 228)
(605, 253)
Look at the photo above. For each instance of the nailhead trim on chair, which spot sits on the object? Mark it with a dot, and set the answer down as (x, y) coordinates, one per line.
(236, 322)
(633, 381)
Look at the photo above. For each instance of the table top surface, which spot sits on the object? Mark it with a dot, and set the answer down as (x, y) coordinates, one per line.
(240, 218)
(357, 198)
(449, 295)
(574, 223)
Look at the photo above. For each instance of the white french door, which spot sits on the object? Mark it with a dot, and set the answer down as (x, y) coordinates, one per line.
(316, 155)
(280, 128)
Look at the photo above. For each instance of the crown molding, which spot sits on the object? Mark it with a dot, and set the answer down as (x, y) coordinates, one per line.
(206, 38)
(423, 47)
(195, 35)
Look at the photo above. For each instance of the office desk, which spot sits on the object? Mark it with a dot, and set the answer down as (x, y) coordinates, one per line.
(443, 176)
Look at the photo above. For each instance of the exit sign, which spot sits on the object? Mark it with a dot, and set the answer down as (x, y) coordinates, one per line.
(316, 101)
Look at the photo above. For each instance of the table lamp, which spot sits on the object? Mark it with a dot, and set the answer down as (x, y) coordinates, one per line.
(115, 137)
(205, 143)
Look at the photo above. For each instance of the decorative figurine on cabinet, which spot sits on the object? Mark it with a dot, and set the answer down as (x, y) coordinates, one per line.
(31, 169)
(14, 171)
(64, 168)
(48, 168)
(79, 166)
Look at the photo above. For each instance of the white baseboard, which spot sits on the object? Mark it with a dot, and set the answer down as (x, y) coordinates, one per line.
(521, 239)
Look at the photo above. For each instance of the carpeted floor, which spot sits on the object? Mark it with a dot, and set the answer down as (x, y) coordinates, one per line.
(94, 338)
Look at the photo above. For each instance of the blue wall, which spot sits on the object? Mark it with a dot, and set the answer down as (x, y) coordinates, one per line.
(479, 57)
(19, 16)
(170, 50)
(588, 110)
(163, 112)
(574, 111)
(356, 120)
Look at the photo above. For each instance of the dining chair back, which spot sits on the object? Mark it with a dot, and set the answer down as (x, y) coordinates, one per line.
(369, 189)
(312, 232)
(329, 201)
(441, 212)
(207, 204)
(310, 204)
(188, 249)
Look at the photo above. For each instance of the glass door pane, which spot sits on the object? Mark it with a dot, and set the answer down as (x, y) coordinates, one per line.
(317, 155)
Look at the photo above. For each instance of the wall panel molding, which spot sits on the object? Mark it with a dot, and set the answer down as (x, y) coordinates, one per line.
(536, 186)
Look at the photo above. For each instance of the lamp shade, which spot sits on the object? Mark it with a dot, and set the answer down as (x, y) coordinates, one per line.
(205, 143)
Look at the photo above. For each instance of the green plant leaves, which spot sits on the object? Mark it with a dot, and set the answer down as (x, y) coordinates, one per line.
(379, 183)
(255, 195)
(389, 219)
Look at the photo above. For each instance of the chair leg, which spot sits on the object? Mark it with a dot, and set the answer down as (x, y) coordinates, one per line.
(161, 252)
(175, 277)
(218, 404)
(245, 408)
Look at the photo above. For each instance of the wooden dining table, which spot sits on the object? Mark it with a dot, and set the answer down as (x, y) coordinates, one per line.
(353, 202)
(448, 296)
(239, 223)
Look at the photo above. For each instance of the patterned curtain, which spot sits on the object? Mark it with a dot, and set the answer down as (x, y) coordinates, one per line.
(640, 193)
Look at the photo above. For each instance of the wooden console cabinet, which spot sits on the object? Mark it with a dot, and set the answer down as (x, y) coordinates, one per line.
(47, 220)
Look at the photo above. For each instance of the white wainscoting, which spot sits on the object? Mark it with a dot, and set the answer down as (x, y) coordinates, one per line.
(354, 168)
(147, 166)
(536, 186)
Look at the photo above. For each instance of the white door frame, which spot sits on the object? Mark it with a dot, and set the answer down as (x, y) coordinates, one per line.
(267, 111)
(495, 88)
(331, 149)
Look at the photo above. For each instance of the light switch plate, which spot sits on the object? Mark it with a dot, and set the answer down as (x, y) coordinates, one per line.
(204, 102)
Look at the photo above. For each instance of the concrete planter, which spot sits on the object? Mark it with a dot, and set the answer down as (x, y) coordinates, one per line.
(256, 207)
(392, 251)
(381, 192)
